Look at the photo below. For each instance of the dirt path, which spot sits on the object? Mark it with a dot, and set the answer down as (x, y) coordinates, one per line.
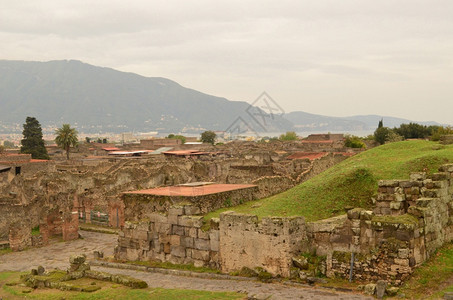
(56, 256)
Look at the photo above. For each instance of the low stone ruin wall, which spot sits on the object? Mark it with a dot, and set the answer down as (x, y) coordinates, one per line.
(411, 219)
(269, 244)
(177, 237)
(232, 242)
(140, 206)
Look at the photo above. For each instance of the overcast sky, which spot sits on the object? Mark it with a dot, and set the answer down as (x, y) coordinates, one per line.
(335, 58)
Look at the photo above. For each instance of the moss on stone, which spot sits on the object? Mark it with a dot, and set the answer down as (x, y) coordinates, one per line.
(405, 219)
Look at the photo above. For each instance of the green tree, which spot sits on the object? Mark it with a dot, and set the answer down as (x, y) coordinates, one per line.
(381, 123)
(177, 137)
(66, 137)
(353, 141)
(33, 143)
(381, 134)
(412, 131)
(208, 137)
(9, 144)
(288, 136)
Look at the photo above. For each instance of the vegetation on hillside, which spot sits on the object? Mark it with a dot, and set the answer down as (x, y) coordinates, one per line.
(350, 183)
(409, 131)
(288, 136)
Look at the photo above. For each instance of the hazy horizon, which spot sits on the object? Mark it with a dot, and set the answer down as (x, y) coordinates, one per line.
(325, 57)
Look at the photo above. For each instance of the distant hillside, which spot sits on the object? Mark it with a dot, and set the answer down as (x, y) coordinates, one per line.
(97, 99)
(102, 99)
(310, 122)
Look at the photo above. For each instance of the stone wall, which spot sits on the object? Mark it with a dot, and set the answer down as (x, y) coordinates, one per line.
(410, 220)
(140, 206)
(270, 243)
(177, 237)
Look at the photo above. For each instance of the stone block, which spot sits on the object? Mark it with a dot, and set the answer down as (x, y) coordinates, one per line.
(176, 211)
(191, 231)
(189, 252)
(370, 289)
(164, 228)
(199, 263)
(214, 244)
(77, 259)
(144, 245)
(366, 215)
(185, 221)
(200, 255)
(203, 234)
(402, 262)
(403, 253)
(175, 240)
(177, 230)
(406, 184)
(178, 251)
(388, 183)
(201, 244)
(395, 205)
(417, 176)
(354, 213)
(214, 256)
(140, 235)
(191, 210)
(380, 288)
(157, 218)
(173, 219)
(187, 241)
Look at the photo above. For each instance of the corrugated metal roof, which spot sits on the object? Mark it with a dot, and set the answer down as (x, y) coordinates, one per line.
(161, 150)
(4, 168)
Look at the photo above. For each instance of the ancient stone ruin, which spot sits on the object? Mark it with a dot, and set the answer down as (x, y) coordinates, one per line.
(410, 220)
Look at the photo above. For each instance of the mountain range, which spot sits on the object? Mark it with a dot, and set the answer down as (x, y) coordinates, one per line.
(98, 99)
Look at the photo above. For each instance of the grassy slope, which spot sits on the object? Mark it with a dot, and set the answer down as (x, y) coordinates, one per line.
(433, 278)
(350, 183)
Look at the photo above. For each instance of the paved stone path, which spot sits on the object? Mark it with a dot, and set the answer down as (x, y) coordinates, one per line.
(56, 256)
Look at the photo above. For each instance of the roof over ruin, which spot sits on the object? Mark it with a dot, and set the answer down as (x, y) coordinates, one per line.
(192, 191)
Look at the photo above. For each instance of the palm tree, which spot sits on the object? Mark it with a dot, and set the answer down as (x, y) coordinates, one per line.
(66, 137)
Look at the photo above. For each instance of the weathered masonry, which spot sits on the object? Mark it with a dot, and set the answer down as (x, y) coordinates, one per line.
(165, 223)
(410, 220)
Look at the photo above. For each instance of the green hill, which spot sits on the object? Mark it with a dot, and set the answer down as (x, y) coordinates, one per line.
(351, 183)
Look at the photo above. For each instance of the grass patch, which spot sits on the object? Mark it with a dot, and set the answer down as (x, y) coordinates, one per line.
(35, 231)
(434, 277)
(5, 251)
(107, 290)
(168, 265)
(350, 183)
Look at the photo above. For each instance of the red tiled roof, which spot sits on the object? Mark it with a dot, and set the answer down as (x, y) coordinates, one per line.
(192, 191)
(110, 148)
